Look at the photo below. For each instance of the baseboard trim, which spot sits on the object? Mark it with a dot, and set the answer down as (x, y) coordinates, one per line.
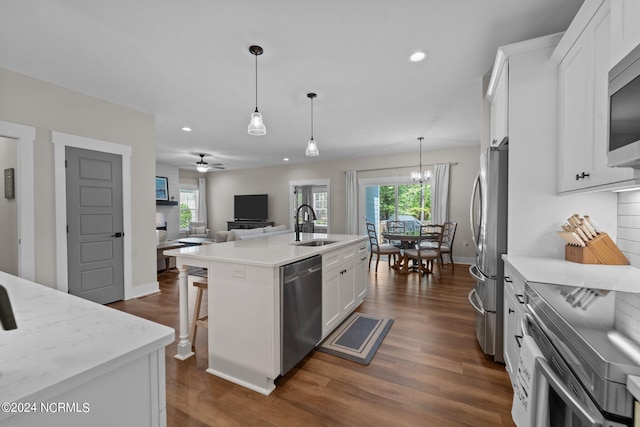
(143, 290)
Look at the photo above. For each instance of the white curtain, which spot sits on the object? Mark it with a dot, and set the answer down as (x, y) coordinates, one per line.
(202, 200)
(440, 194)
(352, 203)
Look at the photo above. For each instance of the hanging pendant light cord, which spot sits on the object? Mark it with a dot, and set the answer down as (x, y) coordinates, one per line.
(256, 83)
(312, 118)
(420, 165)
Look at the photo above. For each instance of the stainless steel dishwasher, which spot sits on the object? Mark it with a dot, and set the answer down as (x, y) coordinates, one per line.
(301, 305)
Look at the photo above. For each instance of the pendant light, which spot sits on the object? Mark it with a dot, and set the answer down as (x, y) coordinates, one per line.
(312, 148)
(420, 176)
(256, 126)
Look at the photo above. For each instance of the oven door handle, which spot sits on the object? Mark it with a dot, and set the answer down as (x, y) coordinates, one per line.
(565, 394)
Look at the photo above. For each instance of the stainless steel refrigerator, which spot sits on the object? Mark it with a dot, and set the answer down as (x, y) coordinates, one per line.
(489, 228)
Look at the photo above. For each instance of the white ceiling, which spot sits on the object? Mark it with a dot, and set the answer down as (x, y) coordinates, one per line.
(188, 63)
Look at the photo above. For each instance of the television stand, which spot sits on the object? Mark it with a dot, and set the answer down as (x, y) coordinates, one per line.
(247, 224)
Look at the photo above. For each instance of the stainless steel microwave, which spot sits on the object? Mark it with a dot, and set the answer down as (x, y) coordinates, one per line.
(624, 112)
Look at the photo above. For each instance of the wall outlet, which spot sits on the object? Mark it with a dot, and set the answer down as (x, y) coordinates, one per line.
(237, 271)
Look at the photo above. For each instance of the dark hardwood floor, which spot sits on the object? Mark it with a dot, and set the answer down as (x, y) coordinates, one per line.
(428, 371)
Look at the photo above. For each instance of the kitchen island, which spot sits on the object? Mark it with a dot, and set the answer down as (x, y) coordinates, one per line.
(244, 298)
(72, 362)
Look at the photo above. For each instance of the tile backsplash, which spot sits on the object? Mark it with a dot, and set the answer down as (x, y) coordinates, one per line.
(629, 225)
(627, 318)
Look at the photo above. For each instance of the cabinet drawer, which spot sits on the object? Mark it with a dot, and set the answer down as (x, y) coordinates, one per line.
(331, 259)
(513, 281)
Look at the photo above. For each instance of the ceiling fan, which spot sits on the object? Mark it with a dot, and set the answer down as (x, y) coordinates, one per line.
(203, 166)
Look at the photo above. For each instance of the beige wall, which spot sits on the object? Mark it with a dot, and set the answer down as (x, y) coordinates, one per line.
(49, 108)
(222, 185)
(8, 211)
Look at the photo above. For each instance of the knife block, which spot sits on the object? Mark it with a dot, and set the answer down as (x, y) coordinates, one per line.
(599, 250)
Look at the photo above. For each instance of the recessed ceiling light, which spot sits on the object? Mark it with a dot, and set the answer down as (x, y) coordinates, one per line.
(286, 159)
(418, 56)
(186, 129)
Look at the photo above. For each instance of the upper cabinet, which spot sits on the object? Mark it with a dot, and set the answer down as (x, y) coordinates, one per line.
(583, 66)
(625, 30)
(500, 106)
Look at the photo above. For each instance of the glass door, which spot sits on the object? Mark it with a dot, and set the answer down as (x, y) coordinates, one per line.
(316, 196)
(406, 202)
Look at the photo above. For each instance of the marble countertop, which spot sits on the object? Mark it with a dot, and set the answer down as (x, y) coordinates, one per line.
(561, 272)
(63, 341)
(267, 251)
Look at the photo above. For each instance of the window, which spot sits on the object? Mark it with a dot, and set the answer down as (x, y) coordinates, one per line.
(317, 196)
(188, 207)
(410, 203)
(320, 207)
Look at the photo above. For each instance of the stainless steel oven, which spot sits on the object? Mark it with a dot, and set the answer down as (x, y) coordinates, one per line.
(582, 375)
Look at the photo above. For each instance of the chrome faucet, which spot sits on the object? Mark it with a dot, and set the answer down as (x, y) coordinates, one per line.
(298, 213)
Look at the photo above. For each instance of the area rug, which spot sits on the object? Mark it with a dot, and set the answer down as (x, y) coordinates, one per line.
(357, 338)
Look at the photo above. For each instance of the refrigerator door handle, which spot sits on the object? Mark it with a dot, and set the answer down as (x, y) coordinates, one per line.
(477, 189)
(473, 270)
(473, 298)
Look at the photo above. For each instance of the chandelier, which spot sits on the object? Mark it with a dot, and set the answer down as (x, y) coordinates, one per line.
(420, 176)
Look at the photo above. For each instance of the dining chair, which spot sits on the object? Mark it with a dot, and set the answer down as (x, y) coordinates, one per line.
(420, 253)
(378, 249)
(448, 234)
(396, 227)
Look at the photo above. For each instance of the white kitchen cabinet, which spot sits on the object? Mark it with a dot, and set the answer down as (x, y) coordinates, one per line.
(500, 107)
(583, 56)
(330, 299)
(513, 315)
(625, 30)
(105, 367)
(344, 284)
(362, 274)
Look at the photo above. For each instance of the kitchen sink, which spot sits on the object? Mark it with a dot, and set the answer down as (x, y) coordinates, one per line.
(315, 243)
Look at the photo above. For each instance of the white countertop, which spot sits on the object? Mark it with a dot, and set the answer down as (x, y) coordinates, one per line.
(267, 251)
(63, 341)
(561, 272)
(633, 385)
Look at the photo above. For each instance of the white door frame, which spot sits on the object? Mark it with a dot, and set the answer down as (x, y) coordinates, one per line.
(292, 200)
(61, 141)
(25, 137)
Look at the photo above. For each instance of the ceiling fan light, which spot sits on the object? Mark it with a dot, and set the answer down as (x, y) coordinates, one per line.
(256, 126)
(202, 167)
(312, 148)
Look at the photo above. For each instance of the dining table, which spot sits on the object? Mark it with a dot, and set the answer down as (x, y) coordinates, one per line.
(408, 239)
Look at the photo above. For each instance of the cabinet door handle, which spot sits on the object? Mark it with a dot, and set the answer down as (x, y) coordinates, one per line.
(508, 279)
(511, 311)
(518, 338)
(582, 175)
(520, 298)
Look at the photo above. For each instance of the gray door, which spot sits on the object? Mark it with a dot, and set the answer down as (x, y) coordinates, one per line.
(94, 222)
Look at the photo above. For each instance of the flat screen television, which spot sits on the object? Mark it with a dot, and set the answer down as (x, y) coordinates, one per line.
(251, 207)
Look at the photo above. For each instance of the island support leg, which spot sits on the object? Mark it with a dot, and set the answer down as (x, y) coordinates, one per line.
(184, 345)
